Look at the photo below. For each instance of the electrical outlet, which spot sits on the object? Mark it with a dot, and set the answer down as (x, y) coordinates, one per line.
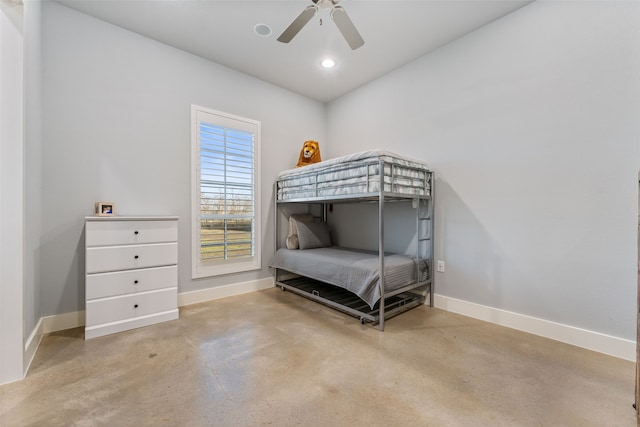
(440, 266)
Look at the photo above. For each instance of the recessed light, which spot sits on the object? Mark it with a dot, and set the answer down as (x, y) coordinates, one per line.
(262, 30)
(328, 63)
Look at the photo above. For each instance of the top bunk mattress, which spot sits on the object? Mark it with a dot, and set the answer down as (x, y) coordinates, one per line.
(356, 175)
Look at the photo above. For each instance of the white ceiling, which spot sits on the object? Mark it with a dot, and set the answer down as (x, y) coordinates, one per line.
(395, 33)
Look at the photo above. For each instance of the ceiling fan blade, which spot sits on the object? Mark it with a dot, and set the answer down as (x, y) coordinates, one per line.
(346, 27)
(297, 24)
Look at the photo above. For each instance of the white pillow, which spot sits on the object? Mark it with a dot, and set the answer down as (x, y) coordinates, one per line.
(292, 237)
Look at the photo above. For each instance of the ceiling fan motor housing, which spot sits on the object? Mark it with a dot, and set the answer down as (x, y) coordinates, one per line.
(326, 4)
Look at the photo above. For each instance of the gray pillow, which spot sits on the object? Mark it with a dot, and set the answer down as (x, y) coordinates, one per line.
(313, 235)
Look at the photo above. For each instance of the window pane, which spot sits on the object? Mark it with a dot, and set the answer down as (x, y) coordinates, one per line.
(226, 193)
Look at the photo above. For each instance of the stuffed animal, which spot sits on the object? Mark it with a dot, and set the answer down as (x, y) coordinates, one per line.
(309, 154)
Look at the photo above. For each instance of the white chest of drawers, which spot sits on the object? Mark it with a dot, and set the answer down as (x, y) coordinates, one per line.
(131, 273)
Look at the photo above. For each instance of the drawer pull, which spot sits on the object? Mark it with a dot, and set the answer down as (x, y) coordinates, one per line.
(135, 232)
(135, 306)
(135, 282)
(136, 257)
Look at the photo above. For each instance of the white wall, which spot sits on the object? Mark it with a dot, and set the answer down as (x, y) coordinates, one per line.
(531, 125)
(116, 123)
(11, 191)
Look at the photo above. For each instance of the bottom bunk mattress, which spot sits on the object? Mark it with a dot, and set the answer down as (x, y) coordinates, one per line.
(357, 271)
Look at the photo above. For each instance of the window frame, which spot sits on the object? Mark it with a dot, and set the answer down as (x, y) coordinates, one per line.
(201, 269)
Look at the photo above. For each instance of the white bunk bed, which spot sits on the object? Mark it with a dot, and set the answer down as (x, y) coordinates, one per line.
(349, 279)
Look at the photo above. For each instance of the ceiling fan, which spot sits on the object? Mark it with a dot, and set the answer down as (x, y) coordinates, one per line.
(339, 16)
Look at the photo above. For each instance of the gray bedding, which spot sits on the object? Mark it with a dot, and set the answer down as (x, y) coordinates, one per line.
(355, 270)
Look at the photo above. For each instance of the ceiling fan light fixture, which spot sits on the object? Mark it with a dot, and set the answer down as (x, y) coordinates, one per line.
(328, 63)
(263, 30)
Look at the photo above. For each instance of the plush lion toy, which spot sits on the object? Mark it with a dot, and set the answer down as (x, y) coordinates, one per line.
(309, 154)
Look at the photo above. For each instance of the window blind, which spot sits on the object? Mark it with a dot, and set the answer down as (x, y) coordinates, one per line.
(227, 199)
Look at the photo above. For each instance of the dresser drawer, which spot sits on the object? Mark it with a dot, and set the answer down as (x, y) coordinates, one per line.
(113, 258)
(103, 233)
(102, 285)
(120, 308)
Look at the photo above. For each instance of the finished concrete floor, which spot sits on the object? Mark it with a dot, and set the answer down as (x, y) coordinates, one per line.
(273, 358)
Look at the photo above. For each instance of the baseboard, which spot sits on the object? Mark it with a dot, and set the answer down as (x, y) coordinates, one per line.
(613, 346)
(31, 346)
(204, 295)
(60, 322)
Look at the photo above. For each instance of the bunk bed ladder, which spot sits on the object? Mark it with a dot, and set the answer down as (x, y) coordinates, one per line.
(381, 244)
(425, 234)
(423, 249)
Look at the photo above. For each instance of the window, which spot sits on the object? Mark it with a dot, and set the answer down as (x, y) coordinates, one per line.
(225, 196)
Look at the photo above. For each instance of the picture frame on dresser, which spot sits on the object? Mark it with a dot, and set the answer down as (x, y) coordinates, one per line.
(105, 209)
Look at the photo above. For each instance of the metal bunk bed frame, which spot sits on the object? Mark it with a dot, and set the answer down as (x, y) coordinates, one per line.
(391, 303)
